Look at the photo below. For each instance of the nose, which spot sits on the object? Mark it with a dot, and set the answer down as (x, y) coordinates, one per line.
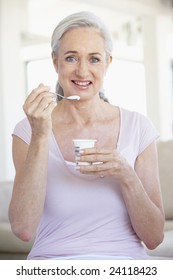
(82, 69)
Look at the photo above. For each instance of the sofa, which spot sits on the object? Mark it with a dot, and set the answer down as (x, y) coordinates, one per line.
(165, 160)
(13, 248)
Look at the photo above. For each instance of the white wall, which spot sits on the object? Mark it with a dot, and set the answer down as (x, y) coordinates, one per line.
(159, 88)
(11, 80)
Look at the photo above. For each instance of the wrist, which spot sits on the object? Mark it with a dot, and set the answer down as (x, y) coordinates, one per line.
(40, 139)
(130, 179)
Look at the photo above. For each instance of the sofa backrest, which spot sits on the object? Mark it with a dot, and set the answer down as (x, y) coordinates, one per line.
(165, 158)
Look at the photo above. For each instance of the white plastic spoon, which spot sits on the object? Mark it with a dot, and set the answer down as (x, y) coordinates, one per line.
(71, 97)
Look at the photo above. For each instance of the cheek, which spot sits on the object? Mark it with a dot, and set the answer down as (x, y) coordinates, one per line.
(62, 71)
(63, 75)
(100, 74)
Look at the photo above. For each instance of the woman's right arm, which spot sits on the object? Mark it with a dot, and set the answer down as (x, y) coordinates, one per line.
(31, 165)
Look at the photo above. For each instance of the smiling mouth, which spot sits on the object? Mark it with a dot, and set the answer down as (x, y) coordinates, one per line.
(81, 83)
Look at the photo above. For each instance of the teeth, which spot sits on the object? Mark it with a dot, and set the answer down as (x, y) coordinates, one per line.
(82, 83)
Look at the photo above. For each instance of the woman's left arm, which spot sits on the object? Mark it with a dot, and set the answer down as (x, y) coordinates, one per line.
(140, 188)
(143, 198)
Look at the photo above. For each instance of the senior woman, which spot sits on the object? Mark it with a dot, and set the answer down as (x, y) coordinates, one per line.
(106, 210)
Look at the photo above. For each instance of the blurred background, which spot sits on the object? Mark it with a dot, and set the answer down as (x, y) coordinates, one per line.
(140, 77)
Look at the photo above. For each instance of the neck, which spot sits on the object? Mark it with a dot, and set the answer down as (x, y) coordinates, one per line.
(82, 112)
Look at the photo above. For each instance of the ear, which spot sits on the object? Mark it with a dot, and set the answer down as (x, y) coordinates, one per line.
(109, 61)
(55, 61)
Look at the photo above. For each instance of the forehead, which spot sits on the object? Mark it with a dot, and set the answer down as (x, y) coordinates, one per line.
(82, 38)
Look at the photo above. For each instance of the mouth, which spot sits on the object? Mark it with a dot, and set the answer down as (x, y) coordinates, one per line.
(82, 84)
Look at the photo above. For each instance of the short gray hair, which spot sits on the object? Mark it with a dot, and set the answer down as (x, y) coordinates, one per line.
(81, 19)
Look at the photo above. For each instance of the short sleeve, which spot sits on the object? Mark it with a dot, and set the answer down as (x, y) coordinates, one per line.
(23, 130)
(148, 133)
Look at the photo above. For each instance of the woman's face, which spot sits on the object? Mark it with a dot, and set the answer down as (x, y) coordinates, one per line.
(81, 62)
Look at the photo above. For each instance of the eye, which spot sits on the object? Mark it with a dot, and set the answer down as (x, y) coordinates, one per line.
(71, 59)
(94, 59)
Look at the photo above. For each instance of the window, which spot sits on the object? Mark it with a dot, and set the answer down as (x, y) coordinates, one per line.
(125, 85)
(40, 71)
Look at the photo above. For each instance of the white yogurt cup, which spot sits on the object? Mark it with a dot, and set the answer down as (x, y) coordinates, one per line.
(82, 144)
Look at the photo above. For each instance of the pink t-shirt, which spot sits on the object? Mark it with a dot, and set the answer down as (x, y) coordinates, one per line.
(85, 215)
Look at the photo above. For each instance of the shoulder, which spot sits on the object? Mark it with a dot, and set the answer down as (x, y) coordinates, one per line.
(22, 125)
(132, 115)
(23, 130)
(136, 119)
(139, 128)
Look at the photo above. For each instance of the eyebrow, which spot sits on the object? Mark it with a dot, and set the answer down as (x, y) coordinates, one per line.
(75, 52)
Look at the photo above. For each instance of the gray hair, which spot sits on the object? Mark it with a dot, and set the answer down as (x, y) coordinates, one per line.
(80, 19)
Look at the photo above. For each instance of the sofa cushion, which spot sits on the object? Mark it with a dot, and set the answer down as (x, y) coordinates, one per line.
(5, 197)
(168, 225)
(165, 249)
(10, 243)
(165, 159)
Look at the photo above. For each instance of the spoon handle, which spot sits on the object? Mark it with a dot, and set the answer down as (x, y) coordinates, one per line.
(60, 95)
(71, 97)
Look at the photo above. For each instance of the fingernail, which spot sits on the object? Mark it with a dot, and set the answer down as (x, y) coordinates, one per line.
(81, 151)
(77, 158)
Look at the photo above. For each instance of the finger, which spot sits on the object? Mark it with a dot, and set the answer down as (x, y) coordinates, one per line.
(41, 88)
(45, 108)
(94, 158)
(99, 174)
(39, 103)
(44, 102)
(95, 150)
(103, 155)
(48, 110)
(94, 168)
